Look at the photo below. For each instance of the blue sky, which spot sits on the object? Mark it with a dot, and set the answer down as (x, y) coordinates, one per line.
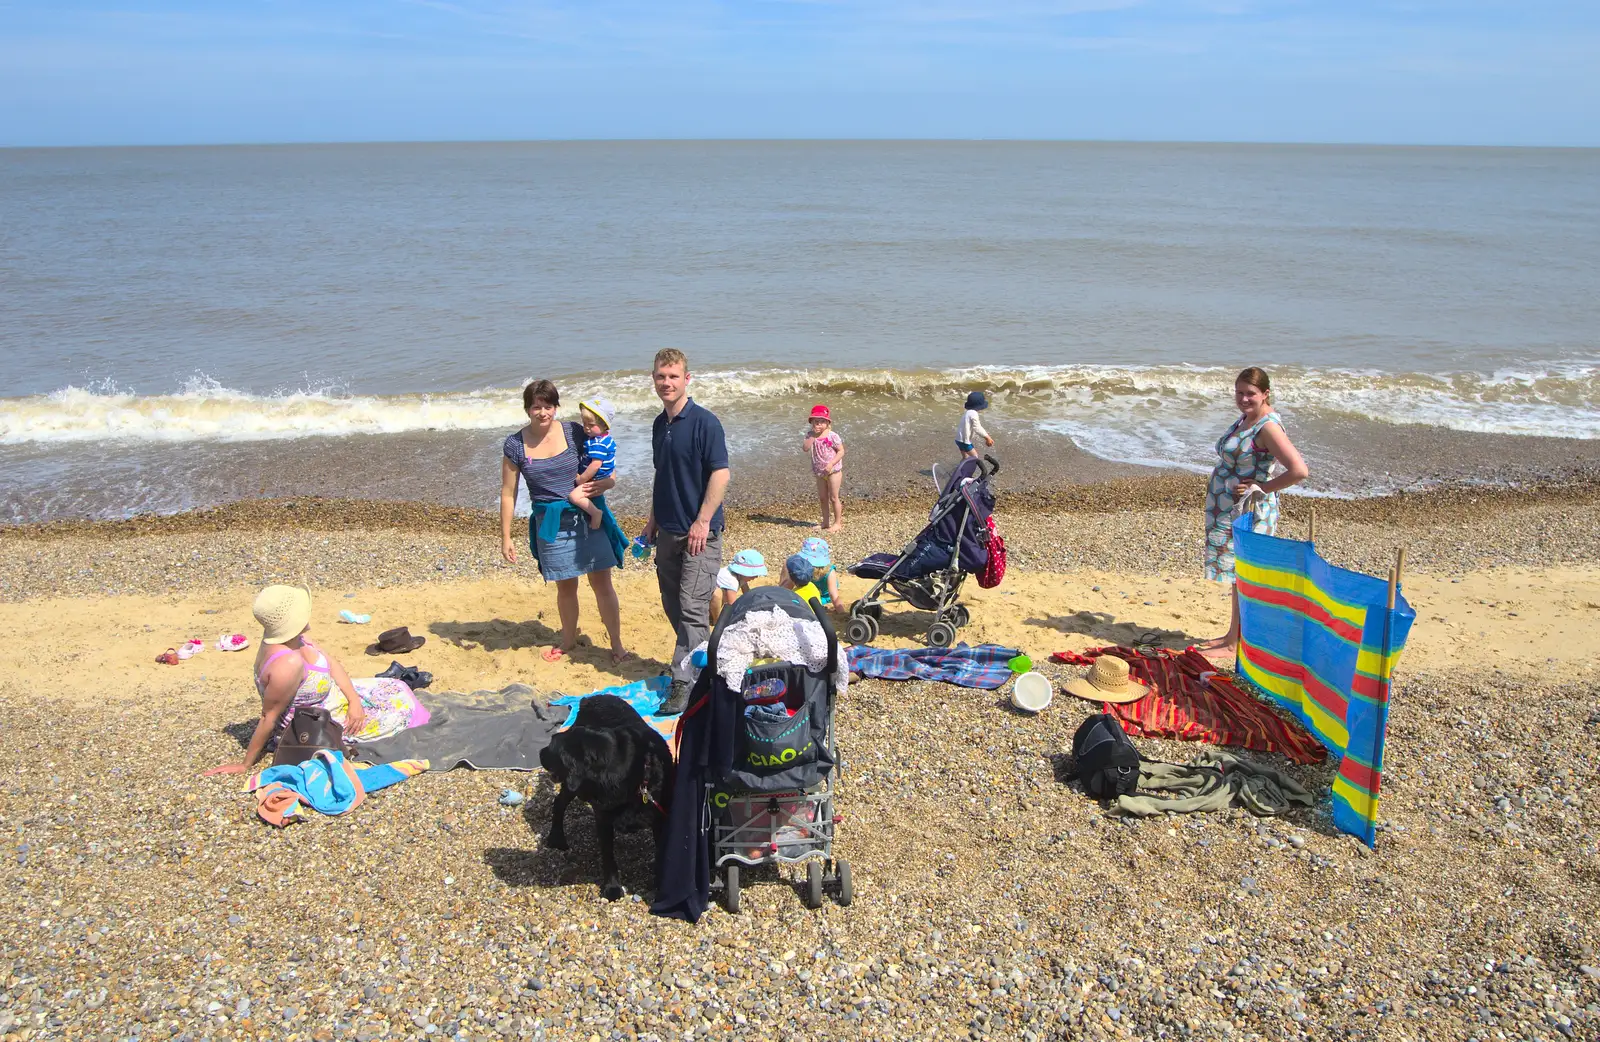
(78, 72)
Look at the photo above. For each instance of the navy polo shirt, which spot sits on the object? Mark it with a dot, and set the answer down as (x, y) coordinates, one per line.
(685, 451)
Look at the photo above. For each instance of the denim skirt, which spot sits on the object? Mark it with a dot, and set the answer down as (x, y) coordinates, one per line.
(576, 550)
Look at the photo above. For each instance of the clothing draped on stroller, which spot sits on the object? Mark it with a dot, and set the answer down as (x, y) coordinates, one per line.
(928, 573)
(756, 756)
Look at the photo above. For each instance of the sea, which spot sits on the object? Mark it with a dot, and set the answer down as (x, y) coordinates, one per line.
(182, 327)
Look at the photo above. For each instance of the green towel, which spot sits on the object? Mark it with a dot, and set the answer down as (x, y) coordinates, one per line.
(1216, 782)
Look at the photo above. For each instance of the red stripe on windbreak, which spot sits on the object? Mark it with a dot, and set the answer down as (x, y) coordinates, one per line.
(1330, 700)
(1303, 605)
(1370, 688)
(1359, 774)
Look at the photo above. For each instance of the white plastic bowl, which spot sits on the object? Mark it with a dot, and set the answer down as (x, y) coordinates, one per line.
(1031, 692)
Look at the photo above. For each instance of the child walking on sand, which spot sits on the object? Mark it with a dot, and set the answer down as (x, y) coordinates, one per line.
(599, 454)
(971, 428)
(827, 466)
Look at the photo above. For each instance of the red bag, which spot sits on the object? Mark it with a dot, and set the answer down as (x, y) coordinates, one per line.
(994, 569)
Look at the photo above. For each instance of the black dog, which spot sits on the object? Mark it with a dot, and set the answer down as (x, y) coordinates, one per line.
(620, 766)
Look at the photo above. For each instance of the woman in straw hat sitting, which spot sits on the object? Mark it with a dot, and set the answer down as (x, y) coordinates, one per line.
(291, 672)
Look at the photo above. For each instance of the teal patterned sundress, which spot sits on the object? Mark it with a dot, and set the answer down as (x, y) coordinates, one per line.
(1238, 462)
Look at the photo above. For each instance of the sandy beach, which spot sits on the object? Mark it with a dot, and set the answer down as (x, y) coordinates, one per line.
(992, 899)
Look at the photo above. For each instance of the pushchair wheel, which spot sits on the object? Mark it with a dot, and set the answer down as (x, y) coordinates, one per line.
(730, 891)
(874, 610)
(862, 629)
(941, 635)
(847, 892)
(813, 883)
(960, 616)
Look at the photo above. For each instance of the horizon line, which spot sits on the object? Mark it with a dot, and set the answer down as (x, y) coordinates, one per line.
(1187, 142)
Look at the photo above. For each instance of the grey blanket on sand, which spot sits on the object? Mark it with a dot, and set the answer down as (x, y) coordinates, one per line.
(1216, 782)
(484, 730)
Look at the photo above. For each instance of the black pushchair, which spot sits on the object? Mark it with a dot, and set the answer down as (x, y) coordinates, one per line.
(773, 804)
(929, 572)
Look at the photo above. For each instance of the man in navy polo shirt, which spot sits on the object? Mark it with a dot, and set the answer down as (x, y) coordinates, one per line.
(685, 523)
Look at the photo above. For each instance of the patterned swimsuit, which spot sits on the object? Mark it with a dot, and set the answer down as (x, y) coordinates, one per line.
(1237, 462)
(389, 704)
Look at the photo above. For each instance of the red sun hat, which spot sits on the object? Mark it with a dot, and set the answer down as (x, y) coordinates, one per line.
(820, 412)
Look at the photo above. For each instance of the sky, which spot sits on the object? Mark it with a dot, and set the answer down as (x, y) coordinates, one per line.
(1463, 72)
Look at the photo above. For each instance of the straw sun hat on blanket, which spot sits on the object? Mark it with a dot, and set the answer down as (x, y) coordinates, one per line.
(1107, 682)
(283, 611)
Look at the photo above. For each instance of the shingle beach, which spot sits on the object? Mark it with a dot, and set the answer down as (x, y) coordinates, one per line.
(993, 900)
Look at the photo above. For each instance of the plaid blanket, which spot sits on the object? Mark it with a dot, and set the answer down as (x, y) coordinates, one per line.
(986, 666)
(1190, 701)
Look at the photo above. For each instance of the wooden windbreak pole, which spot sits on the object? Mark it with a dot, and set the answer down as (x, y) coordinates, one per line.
(1313, 536)
(1395, 575)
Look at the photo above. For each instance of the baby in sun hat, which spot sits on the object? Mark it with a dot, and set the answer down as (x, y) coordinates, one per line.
(797, 577)
(816, 551)
(735, 580)
(599, 454)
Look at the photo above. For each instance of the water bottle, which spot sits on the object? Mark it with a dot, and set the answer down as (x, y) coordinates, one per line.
(641, 549)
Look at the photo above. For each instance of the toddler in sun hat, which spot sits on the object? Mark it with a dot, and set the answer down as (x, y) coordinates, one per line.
(797, 577)
(971, 428)
(816, 551)
(826, 449)
(734, 581)
(599, 454)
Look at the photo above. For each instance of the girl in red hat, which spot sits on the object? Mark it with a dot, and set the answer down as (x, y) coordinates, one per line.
(827, 465)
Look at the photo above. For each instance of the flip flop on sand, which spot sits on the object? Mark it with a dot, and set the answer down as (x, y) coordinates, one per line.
(553, 654)
(191, 648)
(232, 642)
(168, 657)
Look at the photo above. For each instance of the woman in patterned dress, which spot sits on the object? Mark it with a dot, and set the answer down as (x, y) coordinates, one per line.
(1243, 480)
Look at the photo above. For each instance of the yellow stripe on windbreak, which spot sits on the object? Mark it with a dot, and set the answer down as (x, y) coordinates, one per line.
(1365, 806)
(1374, 664)
(1322, 722)
(1301, 585)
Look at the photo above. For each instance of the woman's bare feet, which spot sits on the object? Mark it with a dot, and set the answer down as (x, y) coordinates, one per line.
(1227, 643)
(620, 655)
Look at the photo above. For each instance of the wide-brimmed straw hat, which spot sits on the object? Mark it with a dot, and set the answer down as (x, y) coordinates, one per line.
(1107, 682)
(283, 611)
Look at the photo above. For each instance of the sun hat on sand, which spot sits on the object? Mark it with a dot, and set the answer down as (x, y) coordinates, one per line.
(1107, 682)
(283, 611)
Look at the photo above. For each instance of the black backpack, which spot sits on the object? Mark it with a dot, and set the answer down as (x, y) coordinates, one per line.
(1104, 759)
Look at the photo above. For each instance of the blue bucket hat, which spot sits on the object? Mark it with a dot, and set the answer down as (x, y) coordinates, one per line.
(799, 569)
(748, 563)
(976, 400)
(815, 549)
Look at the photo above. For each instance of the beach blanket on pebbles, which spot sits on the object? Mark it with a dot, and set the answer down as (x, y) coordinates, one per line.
(504, 729)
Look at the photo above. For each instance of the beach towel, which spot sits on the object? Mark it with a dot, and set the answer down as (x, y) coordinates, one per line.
(1216, 782)
(985, 666)
(645, 696)
(483, 730)
(326, 783)
(1191, 702)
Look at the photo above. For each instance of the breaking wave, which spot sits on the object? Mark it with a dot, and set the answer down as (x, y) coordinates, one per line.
(1148, 407)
